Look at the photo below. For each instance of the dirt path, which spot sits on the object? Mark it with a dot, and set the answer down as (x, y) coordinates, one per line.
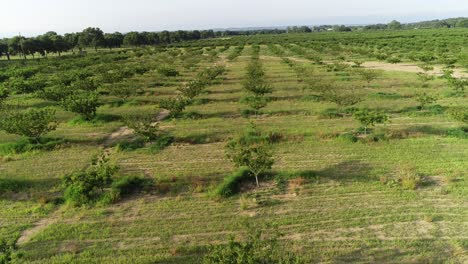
(38, 227)
(378, 65)
(127, 133)
(407, 67)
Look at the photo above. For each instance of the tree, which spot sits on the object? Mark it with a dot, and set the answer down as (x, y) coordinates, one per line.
(368, 75)
(91, 37)
(144, 125)
(459, 114)
(394, 25)
(343, 98)
(31, 123)
(113, 40)
(132, 39)
(4, 49)
(462, 23)
(192, 89)
(174, 105)
(370, 118)
(88, 186)
(122, 90)
(82, 102)
(252, 150)
(261, 245)
(425, 99)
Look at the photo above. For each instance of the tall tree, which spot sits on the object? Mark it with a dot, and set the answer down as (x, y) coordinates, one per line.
(91, 37)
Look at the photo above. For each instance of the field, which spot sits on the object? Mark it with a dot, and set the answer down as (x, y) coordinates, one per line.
(333, 192)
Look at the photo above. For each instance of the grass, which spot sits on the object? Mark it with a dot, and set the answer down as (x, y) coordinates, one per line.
(342, 212)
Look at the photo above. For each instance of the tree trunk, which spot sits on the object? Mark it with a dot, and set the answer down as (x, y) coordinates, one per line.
(8, 55)
(256, 180)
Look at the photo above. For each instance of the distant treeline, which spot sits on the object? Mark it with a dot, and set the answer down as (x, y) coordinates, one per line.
(394, 25)
(51, 42)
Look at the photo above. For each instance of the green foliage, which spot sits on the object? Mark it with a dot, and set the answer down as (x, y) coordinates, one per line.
(370, 118)
(6, 251)
(89, 186)
(168, 71)
(32, 123)
(4, 93)
(144, 126)
(192, 89)
(252, 150)
(343, 98)
(83, 103)
(175, 105)
(425, 99)
(459, 114)
(126, 186)
(255, 102)
(232, 183)
(368, 75)
(19, 85)
(259, 246)
(122, 90)
(26, 145)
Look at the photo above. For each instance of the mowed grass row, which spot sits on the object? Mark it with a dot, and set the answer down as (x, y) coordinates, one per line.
(343, 213)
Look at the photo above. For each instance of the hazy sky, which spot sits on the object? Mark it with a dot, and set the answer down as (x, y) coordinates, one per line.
(32, 17)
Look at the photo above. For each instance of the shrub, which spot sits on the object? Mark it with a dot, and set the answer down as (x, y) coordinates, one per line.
(259, 246)
(144, 125)
(459, 114)
(32, 123)
(122, 90)
(26, 144)
(192, 89)
(55, 93)
(425, 99)
(126, 186)
(231, 184)
(88, 186)
(6, 251)
(408, 178)
(4, 93)
(168, 71)
(370, 118)
(82, 103)
(161, 143)
(174, 105)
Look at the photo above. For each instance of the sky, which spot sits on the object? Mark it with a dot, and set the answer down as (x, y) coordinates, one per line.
(33, 17)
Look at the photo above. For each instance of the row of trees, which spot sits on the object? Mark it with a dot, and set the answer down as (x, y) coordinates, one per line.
(51, 42)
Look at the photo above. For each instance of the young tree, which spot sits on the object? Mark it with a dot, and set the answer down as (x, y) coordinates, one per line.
(91, 37)
(83, 103)
(251, 150)
(260, 246)
(88, 186)
(425, 99)
(174, 105)
(459, 114)
(32, 123)
(394, 25)
(145, 126)
(192, 89)
(122, 90)
(343, 98)
(370, 118)
(368, 75)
